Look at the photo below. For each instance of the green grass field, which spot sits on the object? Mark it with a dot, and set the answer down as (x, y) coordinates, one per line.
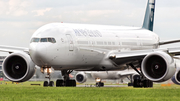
(27, 92)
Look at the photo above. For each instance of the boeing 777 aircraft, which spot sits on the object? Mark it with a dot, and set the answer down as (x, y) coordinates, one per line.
(83, 47)
(81, 77)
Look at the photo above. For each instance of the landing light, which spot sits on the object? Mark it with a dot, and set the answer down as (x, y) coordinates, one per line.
(48, 70)
(98, 80)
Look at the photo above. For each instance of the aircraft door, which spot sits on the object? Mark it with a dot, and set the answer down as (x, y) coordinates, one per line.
(70, 42)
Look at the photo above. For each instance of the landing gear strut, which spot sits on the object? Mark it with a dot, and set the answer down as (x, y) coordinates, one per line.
(131, 79)
(67, 82)
(140, 81)
(49, 82)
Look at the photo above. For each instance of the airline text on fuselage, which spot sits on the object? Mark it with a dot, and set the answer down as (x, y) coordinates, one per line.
(86, 33)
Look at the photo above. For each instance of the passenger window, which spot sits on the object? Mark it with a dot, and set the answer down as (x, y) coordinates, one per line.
(43, 39)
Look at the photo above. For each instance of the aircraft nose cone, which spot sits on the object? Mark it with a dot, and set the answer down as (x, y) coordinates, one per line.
(38, 54)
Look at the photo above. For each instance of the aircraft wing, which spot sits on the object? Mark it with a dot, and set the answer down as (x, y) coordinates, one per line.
(119, 58)
(12, 49)
(131, 56)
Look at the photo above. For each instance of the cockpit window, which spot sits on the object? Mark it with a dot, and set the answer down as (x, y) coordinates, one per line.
(49, 40)
(44, 40)
(35, 40)
(52, 40)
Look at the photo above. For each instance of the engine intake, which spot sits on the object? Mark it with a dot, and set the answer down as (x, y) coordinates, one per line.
(158, 66)
(18, 67)
(176, 78)
(81, 77)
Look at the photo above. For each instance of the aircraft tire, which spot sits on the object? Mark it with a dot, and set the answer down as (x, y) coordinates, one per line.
(137, 83)
(101, 84)
(145, 83)
(45, 84)
(97, 84)
(150, 84)
(51, 83)
(74, 83)
(59, 83)
(70, 83)
(130, 84)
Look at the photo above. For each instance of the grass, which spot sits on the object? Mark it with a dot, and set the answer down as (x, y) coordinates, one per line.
(27, 92)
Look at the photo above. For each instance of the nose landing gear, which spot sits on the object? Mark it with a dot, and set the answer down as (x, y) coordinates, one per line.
(67, 82)
(49, 82)
(99, 83)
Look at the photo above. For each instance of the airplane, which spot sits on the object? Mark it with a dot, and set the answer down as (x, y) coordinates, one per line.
(81, 77)
(84, 47)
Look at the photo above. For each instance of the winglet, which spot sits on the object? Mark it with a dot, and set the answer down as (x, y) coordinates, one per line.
(149, 15)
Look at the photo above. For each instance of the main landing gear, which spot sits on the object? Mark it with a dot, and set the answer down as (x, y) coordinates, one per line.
(131, 81)
(67, 82)
(47, 83)
(140, 80)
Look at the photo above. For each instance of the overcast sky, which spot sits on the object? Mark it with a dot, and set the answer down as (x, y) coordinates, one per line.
(19, 19)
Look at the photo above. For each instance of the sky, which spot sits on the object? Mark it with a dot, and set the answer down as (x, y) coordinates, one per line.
(19, 19)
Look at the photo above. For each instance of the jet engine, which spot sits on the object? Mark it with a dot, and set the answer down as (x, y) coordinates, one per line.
(176, 78)
(18, 67)
(158, 66)
(81, 77)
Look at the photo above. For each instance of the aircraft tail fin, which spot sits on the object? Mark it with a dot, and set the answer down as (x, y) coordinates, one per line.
(149, 15)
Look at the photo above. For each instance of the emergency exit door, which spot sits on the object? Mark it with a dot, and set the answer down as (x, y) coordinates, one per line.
(70, 42)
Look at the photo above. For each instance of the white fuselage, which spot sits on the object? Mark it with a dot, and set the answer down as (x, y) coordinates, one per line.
(85, 47)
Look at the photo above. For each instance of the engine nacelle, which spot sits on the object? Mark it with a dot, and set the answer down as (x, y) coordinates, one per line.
(81, 77)
(158, 66)
(176, 78)
(18, 67)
